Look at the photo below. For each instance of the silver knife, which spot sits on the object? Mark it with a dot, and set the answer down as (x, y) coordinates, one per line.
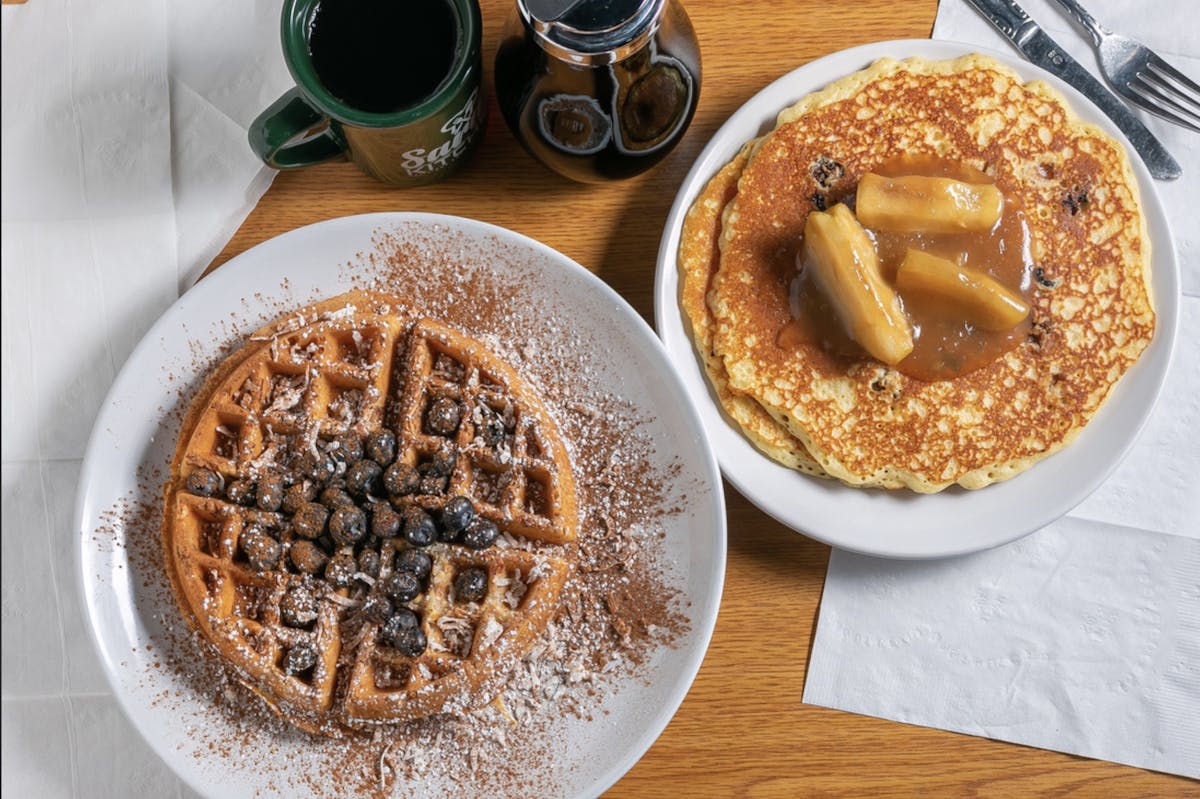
(1011, 20)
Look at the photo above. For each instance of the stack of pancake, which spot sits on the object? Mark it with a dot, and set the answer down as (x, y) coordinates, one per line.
(856, 419)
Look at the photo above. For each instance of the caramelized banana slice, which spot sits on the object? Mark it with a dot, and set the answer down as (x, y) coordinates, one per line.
(981, 298)
(845, 267)
(916, 204)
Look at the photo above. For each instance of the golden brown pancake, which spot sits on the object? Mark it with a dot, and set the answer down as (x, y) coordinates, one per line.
(698, 258)
(868, 424)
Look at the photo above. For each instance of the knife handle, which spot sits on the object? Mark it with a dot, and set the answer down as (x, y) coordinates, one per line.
(1007, 16)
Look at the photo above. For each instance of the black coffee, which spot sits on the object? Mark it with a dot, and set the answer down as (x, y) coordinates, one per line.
(383, 55)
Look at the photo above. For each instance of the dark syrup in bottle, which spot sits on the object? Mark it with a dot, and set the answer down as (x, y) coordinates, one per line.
(601, 116)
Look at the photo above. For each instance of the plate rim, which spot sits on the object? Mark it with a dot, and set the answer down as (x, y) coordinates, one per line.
(86, 504)
(724, 143)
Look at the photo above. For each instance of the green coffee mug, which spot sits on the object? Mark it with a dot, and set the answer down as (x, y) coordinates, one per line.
(411, 146)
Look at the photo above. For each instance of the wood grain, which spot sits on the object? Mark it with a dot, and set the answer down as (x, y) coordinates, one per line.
(742, 730)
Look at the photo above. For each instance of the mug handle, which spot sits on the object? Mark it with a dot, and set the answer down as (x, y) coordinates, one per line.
(288, 118)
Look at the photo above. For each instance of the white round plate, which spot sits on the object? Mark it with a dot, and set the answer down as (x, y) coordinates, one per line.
(901, 524)
(135, 432)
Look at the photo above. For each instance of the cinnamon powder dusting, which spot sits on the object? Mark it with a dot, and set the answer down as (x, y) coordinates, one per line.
(623, 602)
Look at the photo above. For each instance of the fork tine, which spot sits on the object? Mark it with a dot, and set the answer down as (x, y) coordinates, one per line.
(1160, 109)
(1170, 90)
(1156, 87)
(1158, 65)
(1137, 93)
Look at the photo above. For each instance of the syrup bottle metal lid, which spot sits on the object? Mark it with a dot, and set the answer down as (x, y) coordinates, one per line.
(591, 31)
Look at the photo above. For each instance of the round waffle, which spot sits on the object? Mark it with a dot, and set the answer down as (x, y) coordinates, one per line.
(278, 427)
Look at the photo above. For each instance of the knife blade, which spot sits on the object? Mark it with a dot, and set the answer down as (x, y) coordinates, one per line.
(1011, 20)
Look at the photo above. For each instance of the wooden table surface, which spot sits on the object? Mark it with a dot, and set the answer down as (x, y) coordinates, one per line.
(742, 731)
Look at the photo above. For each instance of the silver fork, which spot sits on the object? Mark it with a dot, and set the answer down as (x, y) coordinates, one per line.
(1139, 75)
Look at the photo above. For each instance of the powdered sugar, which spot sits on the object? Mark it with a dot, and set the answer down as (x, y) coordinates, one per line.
(621, 607)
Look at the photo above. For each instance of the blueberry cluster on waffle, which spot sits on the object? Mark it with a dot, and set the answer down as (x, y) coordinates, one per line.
(368, 517)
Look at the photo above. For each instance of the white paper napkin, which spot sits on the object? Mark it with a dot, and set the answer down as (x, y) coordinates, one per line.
(126, 169)
(1085, 636)
(225, 67)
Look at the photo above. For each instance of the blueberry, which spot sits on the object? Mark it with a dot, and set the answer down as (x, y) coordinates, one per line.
(362, 477)
(309, 521)
(403, 631)
(480, 534)
(269, 496)
(471, 585)
(401, 586)
(334, 497)
(204, 483)
(262, 551)
(492, 430)
(443, 416)
(240, 492)
(340, 569)
(347, 525)
(368, 562)
(297, 495)
(299, 658)
(419, 529)
(376, 610)
(385, 522)
(400, 479)
(410, 641)
(307, 557)
(416, 562)
(402, 619)
(440, 464)
(319, 468)
(349, 446)
(299, 607)
(455, 516)
(381, 447)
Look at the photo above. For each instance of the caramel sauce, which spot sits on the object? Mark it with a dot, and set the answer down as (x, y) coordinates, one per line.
(814, 321)
(945, 345)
